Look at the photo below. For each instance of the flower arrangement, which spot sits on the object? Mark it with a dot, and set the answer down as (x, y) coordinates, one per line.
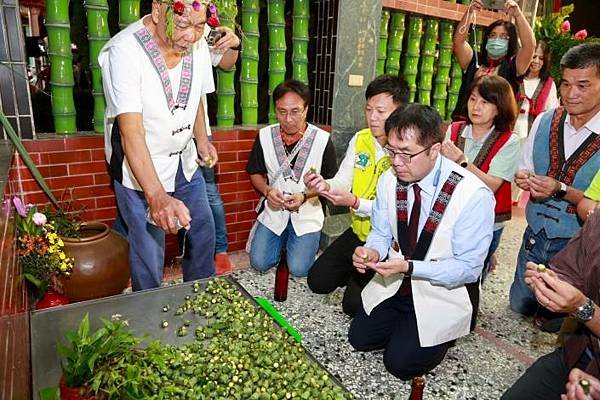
(40, 248)
(555, 30)
(179, 8)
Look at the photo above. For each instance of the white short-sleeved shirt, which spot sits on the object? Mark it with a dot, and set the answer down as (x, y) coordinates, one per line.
(133, 85)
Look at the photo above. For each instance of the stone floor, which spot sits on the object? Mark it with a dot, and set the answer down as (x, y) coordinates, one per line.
(481, 366)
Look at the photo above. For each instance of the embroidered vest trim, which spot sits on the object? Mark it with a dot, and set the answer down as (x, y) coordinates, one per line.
(185, 84)
(492, 145)
(433, 220)
(282, 158)
(565, 170)
(537, 100)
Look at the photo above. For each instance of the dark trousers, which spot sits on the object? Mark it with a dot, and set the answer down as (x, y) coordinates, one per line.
(334, 269)
(544, 380)
(392, 326)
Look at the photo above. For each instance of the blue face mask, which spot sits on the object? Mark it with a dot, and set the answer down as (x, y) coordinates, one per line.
(497, 48)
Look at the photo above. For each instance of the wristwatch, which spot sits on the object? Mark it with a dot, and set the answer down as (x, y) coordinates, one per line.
(562, 191)
(585, 312)
(409, 271)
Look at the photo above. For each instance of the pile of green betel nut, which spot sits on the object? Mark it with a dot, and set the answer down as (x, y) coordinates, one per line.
(239, 354)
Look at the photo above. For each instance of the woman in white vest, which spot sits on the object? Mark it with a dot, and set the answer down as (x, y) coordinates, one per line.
(418, 301)
(282, 154)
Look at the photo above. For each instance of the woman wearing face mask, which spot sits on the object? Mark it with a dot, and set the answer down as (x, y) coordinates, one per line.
(486, 146)
(500, 54)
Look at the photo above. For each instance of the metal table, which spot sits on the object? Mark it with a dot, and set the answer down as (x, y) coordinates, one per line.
(143, 311)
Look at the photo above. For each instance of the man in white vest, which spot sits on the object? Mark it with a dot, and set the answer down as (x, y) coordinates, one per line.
(282, 154)
(432, 223)
(154, 79)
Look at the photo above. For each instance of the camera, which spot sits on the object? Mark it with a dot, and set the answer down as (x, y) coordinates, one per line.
(493, 4)
(214, 36)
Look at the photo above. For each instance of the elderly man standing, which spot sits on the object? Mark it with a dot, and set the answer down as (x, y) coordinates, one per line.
(282, 154)
(426, 213)
(559, 161)
(154, 79)
(354, 186)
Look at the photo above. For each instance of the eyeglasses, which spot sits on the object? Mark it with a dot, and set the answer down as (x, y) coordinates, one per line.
(293, 113)
(404, 157)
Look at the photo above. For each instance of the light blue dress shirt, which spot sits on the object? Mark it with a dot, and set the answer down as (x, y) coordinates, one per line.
(471, 237)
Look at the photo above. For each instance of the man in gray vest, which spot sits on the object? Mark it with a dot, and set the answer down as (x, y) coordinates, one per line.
(566, 144)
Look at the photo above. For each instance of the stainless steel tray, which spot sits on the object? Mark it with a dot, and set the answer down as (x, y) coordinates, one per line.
(142, 309)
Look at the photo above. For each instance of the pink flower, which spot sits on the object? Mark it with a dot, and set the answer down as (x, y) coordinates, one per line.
(39, 219)
(19, 206)
(565, 26)
(581, 35)
(196, 6)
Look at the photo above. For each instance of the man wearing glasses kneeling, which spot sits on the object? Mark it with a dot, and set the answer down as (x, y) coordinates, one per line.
(432, 224)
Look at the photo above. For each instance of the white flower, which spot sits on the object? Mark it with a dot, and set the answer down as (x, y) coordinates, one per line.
(39, 219)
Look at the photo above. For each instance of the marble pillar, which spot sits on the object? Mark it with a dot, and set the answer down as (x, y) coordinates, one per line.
(355, 66)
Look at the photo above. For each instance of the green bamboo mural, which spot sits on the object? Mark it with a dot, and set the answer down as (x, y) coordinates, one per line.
(455, 81)
(225, 79)
(277, 48)
(61, 60)
(440, 92)
(383, 39)
(300, 39)
(98, 34)
(427, 60)
(129, 12)
(249, 72)
(415, 31)
(395, 43)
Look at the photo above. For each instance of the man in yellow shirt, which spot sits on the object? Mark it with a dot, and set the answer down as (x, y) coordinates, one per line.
(591, 198)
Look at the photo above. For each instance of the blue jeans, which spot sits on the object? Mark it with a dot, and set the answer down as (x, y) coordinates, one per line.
(539, 249)
(147, 241)
(497, 235)
(266, 247)
(217, 208)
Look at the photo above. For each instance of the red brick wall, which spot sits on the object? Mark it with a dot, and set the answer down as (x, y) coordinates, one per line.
(14, 305)
(76, 165)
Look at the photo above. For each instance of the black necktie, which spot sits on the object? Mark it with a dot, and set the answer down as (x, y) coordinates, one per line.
(413, 224)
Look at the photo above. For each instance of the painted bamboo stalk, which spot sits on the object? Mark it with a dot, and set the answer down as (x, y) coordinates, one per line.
(98, 35)
(440, 90)
(394, 50)
(455, 82)
(61, 63)
(277, 48)
(383, 39)
(427, 60)
(129, 12)
(249, 72)
(411, 64)
(226, 79)
(300, 38)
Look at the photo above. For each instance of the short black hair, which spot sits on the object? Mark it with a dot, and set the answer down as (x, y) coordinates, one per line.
(582, 56)
(293, 86)
(513, 39)
(424, 120)
(396, 86)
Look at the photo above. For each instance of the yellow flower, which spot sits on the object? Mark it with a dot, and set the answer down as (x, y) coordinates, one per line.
(60, 243)
(63, 267)
(62, 256)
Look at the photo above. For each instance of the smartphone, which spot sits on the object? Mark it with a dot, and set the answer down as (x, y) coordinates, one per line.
(214, 36)
(493, 4)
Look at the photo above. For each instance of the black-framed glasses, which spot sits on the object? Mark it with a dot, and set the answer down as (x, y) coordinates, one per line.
(404, 157)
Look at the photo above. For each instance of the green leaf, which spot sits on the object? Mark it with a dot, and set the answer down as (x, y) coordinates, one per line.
(35, 172)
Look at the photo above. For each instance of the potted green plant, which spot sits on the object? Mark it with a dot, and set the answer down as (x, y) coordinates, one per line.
(88, 352)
